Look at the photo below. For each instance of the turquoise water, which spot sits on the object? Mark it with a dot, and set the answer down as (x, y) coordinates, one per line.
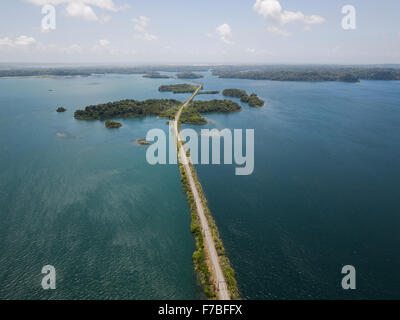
(83, 198)
(324, 193)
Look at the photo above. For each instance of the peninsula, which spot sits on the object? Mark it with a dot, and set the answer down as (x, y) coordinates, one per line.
(128, 109)
(192, 113)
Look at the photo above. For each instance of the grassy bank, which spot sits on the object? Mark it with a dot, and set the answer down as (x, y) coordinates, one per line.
(202, 266)
(227, 269)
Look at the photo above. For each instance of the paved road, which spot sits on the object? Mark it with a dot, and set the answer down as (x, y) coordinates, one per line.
(222, 293)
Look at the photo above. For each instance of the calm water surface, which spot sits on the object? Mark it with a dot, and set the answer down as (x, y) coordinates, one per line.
(324, 193)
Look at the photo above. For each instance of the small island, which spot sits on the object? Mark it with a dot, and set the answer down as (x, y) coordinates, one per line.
(178, 88)
(189, 75)
(111, 124)
(61, 109)
(156, 75)
(253, 100)
(208, 92)
(142, 142)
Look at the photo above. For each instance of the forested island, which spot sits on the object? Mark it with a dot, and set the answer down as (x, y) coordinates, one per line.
(189, 75)
(162, 108)
(192, 113)
(178, 88)
(128, 109)
(61, 109)
(252, 100)
(156, 75)
(111, 124)
(310, 74)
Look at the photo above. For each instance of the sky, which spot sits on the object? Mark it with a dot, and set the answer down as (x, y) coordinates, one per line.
(199, 32)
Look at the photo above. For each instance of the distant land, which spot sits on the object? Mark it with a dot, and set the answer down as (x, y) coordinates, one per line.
(309, 73)
(156, 75)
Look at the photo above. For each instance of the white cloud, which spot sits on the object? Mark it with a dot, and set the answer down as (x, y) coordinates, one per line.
(73, 49)
(82, 9)
(140, 28)
(278, 31)
(225, 33)
(272, 10)
(104, 43)
(102, 4)
(19, 42)
(251, 50)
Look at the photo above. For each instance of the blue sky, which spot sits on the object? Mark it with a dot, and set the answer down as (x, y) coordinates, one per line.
(207, 31)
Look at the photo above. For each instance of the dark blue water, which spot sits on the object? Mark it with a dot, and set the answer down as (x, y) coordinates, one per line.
(324, 193)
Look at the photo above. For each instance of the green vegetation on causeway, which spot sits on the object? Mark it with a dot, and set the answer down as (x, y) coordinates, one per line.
(189, 75)
(199, 256)
(192, 113)
(178, 88)
(227, 269)
(253, 100)
(111, 124)
(128, 109)
(156, 75)
(201, 263)
(61, 109)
